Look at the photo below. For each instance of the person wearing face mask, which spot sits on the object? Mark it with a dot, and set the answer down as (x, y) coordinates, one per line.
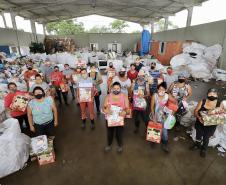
(132, 73)
(111, 73)
(75, 76)
(203, 133)
(29, 73)
(140, 89)
(123, 80)
(138, 64)
(169, 77)
(67, 72)
(156, 76)
(117, 99)
(39, 82)
(158, 103)
(42, 113)
(56, 79)
(180, 91)
(97, 80)
(19, 115)
(85, 96)
(47, 70)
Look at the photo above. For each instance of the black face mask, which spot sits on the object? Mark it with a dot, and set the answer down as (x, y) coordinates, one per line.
(212, 98)
(152, 67)
(181, 80)
(38, 96)
(116, 92)
(111, 66)
(122, 74)
(29, 68)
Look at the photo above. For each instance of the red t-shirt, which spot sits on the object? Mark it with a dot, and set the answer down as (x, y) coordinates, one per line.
(29, 73)
(132, 76)
(8, 101)
(56, 78)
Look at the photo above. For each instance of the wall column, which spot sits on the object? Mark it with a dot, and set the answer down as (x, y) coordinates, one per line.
(44, 29)
(189, 17)
(166, 23)
(13, 18)
(33, 30)
(4, 21)
(152, 27)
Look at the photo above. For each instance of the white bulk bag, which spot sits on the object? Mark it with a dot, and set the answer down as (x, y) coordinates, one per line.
(14, 150)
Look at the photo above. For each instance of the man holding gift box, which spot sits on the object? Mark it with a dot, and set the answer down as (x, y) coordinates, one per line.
(20, 115)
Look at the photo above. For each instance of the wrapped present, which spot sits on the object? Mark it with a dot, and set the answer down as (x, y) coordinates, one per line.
(154, 132)
(64, 87)
(48, 156)
(19, 103)
(213, 119)
(85, 92)
(129, 111)
(39, 144)
(139, 103)
(114, 119)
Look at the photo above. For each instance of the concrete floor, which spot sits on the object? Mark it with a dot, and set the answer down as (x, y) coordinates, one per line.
(82, 161)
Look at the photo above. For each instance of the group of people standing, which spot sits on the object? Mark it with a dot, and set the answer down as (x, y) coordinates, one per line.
(129, 92)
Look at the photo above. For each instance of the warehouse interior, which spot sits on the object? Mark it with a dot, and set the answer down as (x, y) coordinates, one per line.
(80, 156)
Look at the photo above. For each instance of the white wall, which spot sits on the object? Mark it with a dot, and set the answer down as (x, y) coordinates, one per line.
(207, 34)
(8, 37)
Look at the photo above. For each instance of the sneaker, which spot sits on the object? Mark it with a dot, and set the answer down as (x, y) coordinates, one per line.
(203, 153)
(107, 148)
(165, 148)
(119, 149)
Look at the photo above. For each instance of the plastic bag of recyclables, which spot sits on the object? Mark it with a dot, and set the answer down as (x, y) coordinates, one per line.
(219, 75)
(14, 150)
(198, 59)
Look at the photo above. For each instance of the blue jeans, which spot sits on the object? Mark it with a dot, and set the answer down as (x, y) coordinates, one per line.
(164, 135)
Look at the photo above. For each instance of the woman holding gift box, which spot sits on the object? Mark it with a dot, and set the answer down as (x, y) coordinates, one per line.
(203, 133)
(158, 102)
(115, 107)
(85, 95)
(42, 113)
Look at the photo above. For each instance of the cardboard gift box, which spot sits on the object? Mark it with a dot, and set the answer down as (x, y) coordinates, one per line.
(215, 118)
(19, 103)
(154, 132)
(114, 119)
(139, 103)
(48, 156)
(130, 111)
(85, 94)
